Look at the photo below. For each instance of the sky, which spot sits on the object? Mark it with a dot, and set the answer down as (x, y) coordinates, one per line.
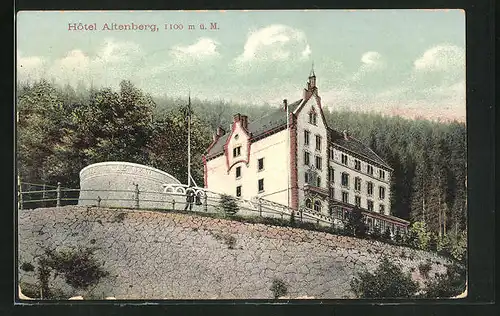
(395, 62)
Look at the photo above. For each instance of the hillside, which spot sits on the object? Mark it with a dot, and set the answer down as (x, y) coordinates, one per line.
(153, 255)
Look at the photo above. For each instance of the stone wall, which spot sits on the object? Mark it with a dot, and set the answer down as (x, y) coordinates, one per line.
(153, 255)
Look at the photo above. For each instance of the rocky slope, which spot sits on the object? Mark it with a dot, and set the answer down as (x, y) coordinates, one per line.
(153, 255)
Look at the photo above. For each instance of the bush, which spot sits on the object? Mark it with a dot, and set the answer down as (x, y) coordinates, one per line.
(27, 267)
(279, 288)
(78, 267)
(386, 236)
(355, 223)
(376, 234)
(449, 284)
(387, 281)
(424, 269)
(228, 204)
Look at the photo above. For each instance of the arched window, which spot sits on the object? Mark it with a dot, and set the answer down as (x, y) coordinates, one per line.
(308, 203)
(317, 206)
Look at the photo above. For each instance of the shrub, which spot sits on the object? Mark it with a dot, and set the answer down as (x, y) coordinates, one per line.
(355, 223)
(424, 269)
(78, 267)
(386, 236)
(449, 284)
(387, 281)
(376, 234)
(228, 204)
(279, 288)
(419, 235)
(27, 267)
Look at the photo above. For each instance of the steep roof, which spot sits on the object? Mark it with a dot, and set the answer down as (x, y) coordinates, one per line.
(277, 118)
(256, 128)
(356, 146)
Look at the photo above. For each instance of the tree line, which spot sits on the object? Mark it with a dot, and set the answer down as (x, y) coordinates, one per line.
(61, 129)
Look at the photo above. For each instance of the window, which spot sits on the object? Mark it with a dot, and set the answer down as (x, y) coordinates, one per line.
(369, 188)
(236, 151)
(381, 174)
(238, 172)
(306, 177)
(312, 117)
(331, 174)
(306, 158)
(330, 153)
(357, 184)
(308, 203)
(345, 197)
(345, 179)
(306, 138)
(382, 209)
(369, 169)
(318, 181)
(331, 193)
(238, 190)
(261, 185)
(318, 142)
(357, 200)
(357, 164)
(236, 136)
(344, 159)
(261, 164)
(381, 193)
(318, 163)
(317, 206)
(370, 205)
(369, 221)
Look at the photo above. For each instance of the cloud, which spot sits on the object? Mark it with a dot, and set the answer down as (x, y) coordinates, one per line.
(29, 67)
(275, 43)
(202, 49)
(442, 57)
(370, 61)
(114, 60)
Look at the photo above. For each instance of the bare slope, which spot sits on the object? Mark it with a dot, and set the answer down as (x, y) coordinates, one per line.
(156, 255)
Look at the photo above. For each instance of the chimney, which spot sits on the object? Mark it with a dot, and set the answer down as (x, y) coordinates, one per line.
(220, 131)
(236, 117)
(244, 121)
(346, 134)
(285, 104)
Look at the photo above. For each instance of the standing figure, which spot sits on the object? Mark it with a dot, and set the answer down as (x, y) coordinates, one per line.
(189, 199)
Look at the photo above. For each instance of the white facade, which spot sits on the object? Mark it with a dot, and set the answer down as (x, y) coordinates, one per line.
(274, 152)
(235, 169)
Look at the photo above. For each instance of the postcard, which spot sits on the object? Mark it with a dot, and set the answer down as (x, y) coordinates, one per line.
(241, 155)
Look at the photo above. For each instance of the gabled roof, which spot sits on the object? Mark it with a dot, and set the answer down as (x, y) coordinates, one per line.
(277, 118)
(256, 128)
(356, 146)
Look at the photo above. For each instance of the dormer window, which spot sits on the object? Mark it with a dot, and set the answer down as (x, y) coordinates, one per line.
(313, 117)
(237, 151)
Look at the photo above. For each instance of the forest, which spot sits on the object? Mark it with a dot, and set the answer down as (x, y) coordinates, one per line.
(61, 129)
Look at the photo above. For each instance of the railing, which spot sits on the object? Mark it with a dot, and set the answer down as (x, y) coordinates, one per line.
(170, 197)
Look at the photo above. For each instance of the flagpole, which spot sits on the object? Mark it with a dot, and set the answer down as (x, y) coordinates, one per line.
(288, 160)
(189, 139)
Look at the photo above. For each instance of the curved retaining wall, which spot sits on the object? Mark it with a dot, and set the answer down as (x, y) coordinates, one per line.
(100, 179)
(154, 255)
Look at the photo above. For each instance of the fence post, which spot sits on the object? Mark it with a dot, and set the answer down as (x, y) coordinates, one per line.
(19, 193)
(43, 196)
(98, 201)
(173, 204)
(301, 216)
(58, 197)
(205, 202)
(136, 195)
(260, 208)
